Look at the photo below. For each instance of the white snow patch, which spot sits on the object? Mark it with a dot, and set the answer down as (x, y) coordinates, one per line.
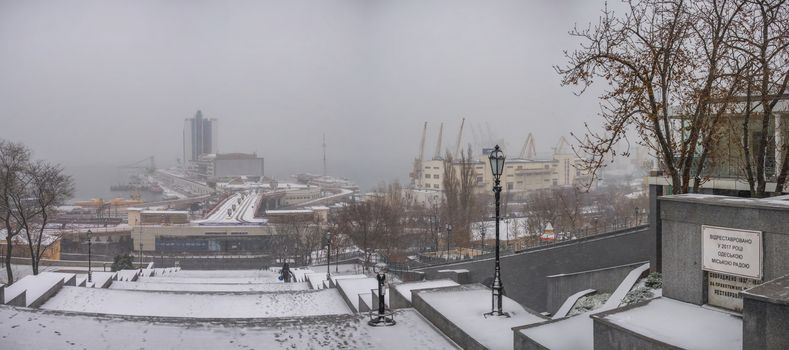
(683, 325)
(209, 287)
(28, 329)
(34, 286)
(406, 288)
(465, 305)
(168, 304)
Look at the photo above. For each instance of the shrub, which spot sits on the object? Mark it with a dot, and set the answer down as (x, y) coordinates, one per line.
(122, 262)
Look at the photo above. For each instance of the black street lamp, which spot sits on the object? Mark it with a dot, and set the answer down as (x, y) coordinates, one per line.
(90, 241)
(140, 224)
(482, 233)
(449, 235)
(497, 167)
(328, 256)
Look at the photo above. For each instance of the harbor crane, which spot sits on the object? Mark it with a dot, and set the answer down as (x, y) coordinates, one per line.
(417, 174)
(460, 136)
(437, 155)
(528, 151)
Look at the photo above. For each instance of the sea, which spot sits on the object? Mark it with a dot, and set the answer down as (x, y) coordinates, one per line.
(94, 181)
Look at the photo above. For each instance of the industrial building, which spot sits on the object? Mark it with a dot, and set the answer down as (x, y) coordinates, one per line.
(523, 172)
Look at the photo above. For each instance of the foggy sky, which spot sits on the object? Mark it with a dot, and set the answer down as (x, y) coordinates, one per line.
(105, 82)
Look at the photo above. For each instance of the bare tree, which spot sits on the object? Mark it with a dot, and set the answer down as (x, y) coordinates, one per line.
(670, 81)
(761, 46)
(14, 158)
(460, 201)
(32, 191)
(46, 188)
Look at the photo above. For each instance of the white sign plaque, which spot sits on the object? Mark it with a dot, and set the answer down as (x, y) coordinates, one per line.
(731, 251)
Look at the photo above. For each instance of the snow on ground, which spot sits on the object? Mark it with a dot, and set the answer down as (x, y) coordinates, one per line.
(215, 276)
(198, 305)
(37, 329)
(683, 325)
(465, 305)
(220, 273)
(209, 280)
(209, 287)
(406, 288)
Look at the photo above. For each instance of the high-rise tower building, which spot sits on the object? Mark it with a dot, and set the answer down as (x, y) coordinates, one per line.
(200, 137)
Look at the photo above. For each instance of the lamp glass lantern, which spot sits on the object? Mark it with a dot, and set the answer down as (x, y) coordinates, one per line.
(496, 158)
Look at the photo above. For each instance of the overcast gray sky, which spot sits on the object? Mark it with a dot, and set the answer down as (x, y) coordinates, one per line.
(110, 82)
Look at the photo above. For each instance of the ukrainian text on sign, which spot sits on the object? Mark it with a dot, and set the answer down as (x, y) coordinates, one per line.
(732, 251)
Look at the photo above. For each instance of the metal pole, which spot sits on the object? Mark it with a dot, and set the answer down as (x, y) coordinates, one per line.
(140, 244)
(449, 233)
(498, 286)
(90, 272)
(328, 257)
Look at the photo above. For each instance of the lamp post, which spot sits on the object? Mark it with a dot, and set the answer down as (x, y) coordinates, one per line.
(139, 223)
(90, 261)
(449, 234)
(497, 167)
(482, 233)
(328, 256)
(636, 219)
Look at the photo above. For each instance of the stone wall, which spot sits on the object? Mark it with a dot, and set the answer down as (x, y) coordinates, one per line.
(766, 316)
(525, 274)
(682, 217)
(606, 280)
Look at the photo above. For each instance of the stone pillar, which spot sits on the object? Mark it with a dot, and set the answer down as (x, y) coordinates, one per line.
(656, 191)
(766, 316)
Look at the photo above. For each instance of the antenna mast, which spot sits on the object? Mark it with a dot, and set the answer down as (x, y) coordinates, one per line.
(324, 154)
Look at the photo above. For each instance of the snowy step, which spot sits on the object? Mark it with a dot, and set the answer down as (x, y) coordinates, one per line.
(101, 279)
(33, 290)
(144, 285)
(402, 292)
(350, 288)
(459, 312)
(316, 280)
(128, 275)
(335, 278)
(69, 279)
(198, 305)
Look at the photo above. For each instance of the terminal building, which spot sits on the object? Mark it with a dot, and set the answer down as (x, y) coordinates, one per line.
(217, 167)
(523, 172)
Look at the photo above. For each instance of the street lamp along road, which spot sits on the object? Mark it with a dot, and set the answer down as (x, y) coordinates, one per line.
(90, 241)
(496, 158)
(449, 235)
(328, 256)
